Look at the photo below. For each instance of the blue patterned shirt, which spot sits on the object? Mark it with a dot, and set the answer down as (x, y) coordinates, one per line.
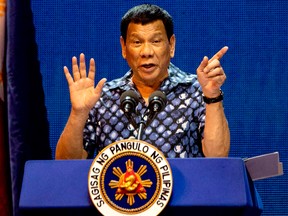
(177, 130)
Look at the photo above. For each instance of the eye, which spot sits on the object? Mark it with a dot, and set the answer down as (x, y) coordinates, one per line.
(156, 41)
(136, 42)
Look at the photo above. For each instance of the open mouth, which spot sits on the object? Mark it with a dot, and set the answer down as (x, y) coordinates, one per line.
(148, 66)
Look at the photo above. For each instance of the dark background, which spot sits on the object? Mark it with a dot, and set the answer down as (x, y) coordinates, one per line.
(255, 99)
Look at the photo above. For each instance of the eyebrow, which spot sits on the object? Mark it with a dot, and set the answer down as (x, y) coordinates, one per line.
(134, 34)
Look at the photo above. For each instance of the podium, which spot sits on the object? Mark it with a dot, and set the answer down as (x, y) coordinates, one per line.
(201, 186)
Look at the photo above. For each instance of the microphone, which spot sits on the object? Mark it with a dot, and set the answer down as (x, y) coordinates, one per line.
(128, 103)
(157, 102)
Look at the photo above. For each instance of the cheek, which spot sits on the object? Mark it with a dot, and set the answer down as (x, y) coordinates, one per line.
(166, 56)
(131, 55)
(132, 60)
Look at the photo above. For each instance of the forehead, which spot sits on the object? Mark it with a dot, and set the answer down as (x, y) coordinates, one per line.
(155, 27)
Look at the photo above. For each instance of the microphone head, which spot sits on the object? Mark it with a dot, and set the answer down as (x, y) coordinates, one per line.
(129, 101)
(157, 101)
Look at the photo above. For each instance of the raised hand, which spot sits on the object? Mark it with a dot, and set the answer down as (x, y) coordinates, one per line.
(211, 75)
(83, 94)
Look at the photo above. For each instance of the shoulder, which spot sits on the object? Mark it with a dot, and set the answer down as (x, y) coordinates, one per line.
(181, 77)
(117, 84)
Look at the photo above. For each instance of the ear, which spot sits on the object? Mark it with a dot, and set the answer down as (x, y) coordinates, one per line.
(123, 47)
(172, 43)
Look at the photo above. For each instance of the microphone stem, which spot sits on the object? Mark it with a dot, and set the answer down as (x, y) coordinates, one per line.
(141, 127)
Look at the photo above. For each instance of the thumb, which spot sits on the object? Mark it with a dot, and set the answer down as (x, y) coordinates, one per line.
(203, 64)
(98, 88)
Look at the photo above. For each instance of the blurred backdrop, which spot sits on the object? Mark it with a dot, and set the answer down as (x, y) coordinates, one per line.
(255, 99)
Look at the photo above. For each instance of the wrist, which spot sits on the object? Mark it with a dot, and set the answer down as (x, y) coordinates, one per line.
(79, 116)
(217, 99)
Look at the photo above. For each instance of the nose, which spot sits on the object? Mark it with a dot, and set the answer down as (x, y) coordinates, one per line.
(146, 50)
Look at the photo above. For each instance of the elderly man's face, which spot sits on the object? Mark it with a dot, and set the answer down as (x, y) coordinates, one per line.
(148, 52)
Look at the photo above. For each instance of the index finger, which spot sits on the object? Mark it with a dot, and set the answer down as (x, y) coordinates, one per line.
(219, 54)
(92, 70)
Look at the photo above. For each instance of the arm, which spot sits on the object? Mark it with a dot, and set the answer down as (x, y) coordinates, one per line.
(70, 143)
(211, 76)
(216, 142)
(83, 97)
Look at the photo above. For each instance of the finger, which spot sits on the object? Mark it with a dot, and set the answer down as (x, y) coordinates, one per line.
(99, 87)
(68, 76)
(212, 65)
(203, 64)
(75, 69)
(218, 71)
(219, 79)
(220, 53)
(92, 69)
(82, 66)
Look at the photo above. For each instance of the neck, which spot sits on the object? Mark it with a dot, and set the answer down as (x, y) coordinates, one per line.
(145, 90)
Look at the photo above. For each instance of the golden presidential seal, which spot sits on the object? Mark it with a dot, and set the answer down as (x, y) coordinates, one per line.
(130, 177)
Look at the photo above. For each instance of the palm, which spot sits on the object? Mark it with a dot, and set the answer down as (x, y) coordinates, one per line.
(208, 83)
(83, 95)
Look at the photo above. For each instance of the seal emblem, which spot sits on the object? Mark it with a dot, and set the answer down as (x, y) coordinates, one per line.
(130, 177)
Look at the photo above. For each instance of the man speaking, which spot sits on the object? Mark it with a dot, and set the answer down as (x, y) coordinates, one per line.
(191, 121)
